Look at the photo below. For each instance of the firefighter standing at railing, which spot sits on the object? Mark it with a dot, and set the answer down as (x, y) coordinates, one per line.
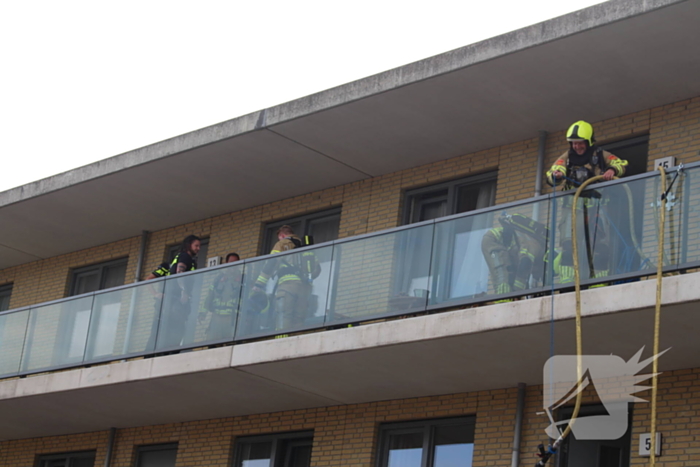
(294, 275)
(582, 161)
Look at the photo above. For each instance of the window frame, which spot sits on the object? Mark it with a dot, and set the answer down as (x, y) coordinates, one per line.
(452, 186)
(151, 448)
(100, 267)
(280, 441)
(42, 460)
(593, 409)
(6, 292)
(270, 228)
(638, 167)
(428, 427)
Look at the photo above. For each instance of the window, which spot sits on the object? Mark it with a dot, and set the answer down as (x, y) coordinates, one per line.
(431, 443)
(158, 455)
(596, 453)
(201, 256)
(74, 316)
(634, 150)
(624, 257)
(452, 272)
(5, 293)
(98, 277)
(454, 197)
(322, 226)
(76, 459)
(285, 450)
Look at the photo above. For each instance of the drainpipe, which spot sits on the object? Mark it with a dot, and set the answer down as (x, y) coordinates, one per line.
(520, 408)
(110, 446)
(142, 253)
(134, 291)
(540, 170)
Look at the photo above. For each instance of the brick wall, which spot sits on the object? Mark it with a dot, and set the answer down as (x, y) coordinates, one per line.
(347, 436)
(368, 205)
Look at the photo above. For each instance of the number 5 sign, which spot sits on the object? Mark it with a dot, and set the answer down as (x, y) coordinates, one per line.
(645, 444)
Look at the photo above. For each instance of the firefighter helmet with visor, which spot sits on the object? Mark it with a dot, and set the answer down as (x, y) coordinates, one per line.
(581, 131)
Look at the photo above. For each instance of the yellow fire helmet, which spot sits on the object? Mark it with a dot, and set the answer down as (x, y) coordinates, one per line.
(581, 131)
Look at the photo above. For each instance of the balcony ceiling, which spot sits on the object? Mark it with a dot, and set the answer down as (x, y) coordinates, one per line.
(607, 60)
(491, 347)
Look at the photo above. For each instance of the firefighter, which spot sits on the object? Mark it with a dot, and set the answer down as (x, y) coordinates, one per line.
(222, 302)
(582, 161)
(294, 277)
(514, 253)
(178, 305)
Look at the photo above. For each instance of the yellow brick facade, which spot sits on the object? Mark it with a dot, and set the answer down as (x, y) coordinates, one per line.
(369, 205)
(347, 436)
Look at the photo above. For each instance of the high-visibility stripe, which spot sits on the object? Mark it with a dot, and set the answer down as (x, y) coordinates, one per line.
(288, 277)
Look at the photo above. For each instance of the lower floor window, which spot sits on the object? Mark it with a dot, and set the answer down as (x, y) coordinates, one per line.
(74, 459)
(428, 443)
(281, 450)
(158, 455)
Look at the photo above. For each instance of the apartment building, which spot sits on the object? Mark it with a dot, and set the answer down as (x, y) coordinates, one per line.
(408, 353)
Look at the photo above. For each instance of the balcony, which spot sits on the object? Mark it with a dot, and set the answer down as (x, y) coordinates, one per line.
(435, 272)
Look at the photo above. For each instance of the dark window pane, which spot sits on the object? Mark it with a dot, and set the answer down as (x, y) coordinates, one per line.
(430, 205)
(432, 210)
(114, 276)
(157, 457)
(299, 456)
(86, 282)
(98, 277)
(203, 252)
(635, 151)
(325, 229)
(5, 293)
(405, 450)
(83, 462)
(476, 196)
(447, 198)
(82, 459)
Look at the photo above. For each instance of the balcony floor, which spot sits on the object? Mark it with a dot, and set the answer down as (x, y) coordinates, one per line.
(473, 349)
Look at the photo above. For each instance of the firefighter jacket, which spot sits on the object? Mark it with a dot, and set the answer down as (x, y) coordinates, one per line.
(299, 267)
(579, 168)
(223, 295)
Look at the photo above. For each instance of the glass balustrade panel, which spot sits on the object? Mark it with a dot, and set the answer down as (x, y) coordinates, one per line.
(13, 329)
(285, 293)
(124, 322)
(383, 275)
(493, 254)
(57, 334)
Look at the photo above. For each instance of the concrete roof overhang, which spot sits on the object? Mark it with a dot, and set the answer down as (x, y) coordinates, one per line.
(604, 61)
(489, 347)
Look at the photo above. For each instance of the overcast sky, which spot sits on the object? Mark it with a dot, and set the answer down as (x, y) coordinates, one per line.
(86, 80)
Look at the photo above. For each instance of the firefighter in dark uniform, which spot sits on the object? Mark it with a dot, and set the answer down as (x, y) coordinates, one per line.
(582, 161)
(178, 306)
(514, 252)
(222, 302)
(294, 276)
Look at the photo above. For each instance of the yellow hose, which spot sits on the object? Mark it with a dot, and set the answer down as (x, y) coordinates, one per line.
(577, 281)
(657, 316)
